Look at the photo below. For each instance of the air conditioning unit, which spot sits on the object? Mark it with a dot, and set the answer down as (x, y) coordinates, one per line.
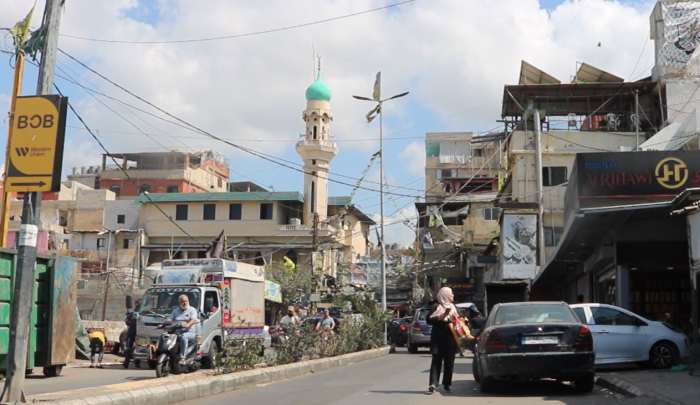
(294, 221)
(625, 149)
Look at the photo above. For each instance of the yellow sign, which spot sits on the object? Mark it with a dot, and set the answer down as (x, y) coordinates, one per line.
(36, 144)
(671, 172)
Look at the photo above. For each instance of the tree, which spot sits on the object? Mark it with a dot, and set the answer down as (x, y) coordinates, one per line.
(296, 282)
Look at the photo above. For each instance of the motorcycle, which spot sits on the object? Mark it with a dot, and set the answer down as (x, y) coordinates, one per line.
(168, 352)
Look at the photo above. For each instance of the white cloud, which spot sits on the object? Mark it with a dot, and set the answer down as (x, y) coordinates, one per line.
(414, 156)
(395, 231)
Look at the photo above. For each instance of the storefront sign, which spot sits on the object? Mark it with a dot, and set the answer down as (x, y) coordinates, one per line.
(519, 241)
(652, 174)
(459, 285)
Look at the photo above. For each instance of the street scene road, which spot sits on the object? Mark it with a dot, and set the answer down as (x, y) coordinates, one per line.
(402, 378)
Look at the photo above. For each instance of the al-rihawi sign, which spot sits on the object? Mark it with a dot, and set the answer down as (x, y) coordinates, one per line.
(637, 174)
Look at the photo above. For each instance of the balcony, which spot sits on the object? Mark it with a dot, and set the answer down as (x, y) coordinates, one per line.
(305, 230)
(321, 149)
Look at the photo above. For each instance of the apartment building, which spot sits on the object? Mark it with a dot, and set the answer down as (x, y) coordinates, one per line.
(594, 113)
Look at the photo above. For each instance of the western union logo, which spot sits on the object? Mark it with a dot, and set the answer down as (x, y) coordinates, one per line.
(671, 172)
(32, 152)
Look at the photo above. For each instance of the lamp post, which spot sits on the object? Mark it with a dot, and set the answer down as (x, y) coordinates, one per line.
(378, 110)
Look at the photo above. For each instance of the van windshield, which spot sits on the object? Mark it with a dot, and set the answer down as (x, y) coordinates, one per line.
(163, 301)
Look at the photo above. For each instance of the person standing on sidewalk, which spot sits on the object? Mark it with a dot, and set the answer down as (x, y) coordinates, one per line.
(443, 346)
(131, 319)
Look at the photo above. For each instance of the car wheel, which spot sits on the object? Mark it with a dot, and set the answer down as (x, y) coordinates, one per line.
(584, 384)
(662, 355)
(475, 371)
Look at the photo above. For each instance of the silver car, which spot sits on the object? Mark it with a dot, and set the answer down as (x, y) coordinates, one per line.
(620, 336)
(419, 332)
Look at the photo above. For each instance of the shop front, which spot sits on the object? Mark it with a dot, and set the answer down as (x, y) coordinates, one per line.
(621, 239)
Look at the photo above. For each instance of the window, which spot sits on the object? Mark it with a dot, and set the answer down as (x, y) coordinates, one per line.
(553, 176)
(445, 173)
(432, 149)
(266, 211)
(552, 236)
(313, 197)
(115, 189)
(612, 317)
(490, 214)
(219, 182)
(581, 314)
(101, 242)
(215, 300)
(181, 212)
(235, 212)
(209, 212)
(121, 219)
(172, 189)
(315, 131)
(478, 152)
(145, 188)
(313, 162)
(128, 243)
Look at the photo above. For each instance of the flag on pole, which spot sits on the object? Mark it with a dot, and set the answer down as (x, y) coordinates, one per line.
(217, 247)
(19, 31)
(377, 94)
(373, 114)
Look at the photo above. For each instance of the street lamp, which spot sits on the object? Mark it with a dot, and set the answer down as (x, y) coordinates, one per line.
(376, 97)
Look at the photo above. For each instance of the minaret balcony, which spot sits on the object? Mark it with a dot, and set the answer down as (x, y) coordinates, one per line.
(317, 149)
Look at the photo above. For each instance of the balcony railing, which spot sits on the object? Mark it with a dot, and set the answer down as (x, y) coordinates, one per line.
(321, 142)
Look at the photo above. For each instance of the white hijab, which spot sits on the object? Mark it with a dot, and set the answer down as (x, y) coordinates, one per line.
(444, 299)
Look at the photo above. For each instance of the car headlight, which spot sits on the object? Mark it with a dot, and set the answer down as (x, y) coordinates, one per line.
(142, 341)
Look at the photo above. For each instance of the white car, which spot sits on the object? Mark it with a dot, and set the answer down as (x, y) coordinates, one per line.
(620, 336)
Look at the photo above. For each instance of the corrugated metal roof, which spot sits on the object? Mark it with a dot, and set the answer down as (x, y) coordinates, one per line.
(342, 200)
(232, 196)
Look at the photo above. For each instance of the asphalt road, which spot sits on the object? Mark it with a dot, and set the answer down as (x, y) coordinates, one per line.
(402, 379)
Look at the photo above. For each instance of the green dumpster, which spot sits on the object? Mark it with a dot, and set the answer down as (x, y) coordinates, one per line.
(52, 341)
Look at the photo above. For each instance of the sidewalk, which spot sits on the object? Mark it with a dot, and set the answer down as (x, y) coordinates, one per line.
(670, 387)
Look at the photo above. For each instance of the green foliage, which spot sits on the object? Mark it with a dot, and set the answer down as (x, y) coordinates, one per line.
(296, 282)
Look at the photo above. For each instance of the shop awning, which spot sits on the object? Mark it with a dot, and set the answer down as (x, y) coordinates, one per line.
(273, 292)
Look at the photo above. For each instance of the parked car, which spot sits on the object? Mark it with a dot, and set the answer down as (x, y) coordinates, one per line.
(419, 332)
(534, 340)
(620, 336)
(311, 321)
(398, 331)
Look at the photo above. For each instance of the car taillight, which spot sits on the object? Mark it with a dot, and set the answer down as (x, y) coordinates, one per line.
(494, 340)
(416, 326)
(402, 328)
(584, 339)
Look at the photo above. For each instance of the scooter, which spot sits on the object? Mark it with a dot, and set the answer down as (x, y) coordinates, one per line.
(168, 352)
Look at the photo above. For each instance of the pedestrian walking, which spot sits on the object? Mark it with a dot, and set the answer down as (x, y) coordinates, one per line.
(443, 346)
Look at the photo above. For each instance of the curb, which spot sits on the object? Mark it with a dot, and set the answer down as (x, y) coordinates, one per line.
(631, 390)
(186, 387)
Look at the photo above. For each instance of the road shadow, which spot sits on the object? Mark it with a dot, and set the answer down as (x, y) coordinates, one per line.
(139, 378)
(412, 392)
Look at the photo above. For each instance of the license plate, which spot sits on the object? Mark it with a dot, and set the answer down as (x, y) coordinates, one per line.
(540, 340)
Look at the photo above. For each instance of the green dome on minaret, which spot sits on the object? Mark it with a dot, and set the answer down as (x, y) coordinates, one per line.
(318, 91)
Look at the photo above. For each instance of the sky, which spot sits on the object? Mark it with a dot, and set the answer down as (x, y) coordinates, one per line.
(453, 56)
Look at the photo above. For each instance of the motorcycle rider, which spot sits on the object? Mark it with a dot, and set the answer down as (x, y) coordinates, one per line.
(290, 318)
(187, 317)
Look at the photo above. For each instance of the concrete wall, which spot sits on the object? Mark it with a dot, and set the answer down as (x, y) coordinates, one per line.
(127, 208)
(482, 230)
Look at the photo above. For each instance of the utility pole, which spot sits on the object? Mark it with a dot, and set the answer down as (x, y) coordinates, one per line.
(16, 92)
(636, 115)
(379, 110)
(23, 292)
(540, 194)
